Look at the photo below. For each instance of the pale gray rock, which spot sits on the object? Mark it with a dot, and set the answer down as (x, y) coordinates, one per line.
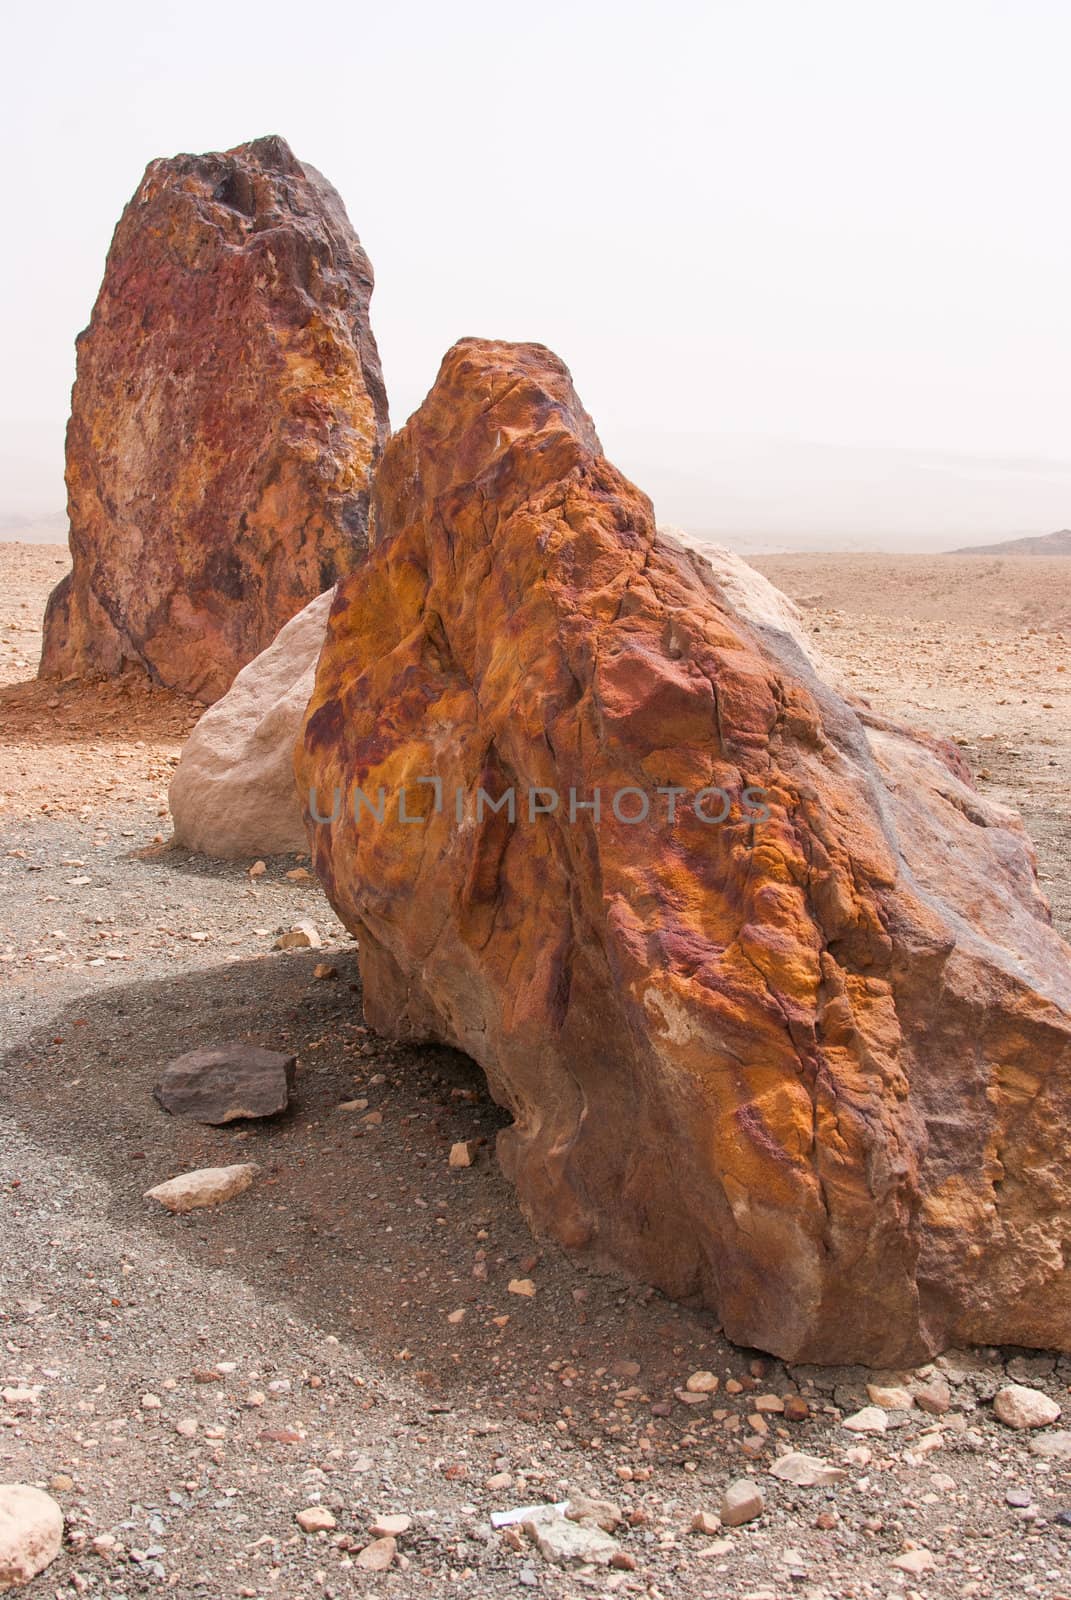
(1054, 1446)
(563, 1542)
(31, 1533)
(233, 792)
(806, 1472)
(742, 1502)
(1020, 1407)
(208, 1186)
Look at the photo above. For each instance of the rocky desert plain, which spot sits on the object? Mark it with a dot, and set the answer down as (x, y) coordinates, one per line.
(568, 1337)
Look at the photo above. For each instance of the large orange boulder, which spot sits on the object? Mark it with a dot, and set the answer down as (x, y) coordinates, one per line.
(226, 414)
(785, 1026)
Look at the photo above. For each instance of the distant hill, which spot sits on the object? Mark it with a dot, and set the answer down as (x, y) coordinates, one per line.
(1045, 544)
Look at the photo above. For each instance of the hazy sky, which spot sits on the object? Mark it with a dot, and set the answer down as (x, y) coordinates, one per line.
(807, 259)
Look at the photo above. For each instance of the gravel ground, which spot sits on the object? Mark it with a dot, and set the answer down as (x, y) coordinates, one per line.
(344, 1333)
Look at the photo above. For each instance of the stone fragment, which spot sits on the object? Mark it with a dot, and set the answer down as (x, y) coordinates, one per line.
(890, 1397)
(688, 1397)
(302, 936)
(209, 1186)
(796, 1408)
(461, 1153)
(227, 411)
(870, 1420)
(742, 1502)
(1054, 1446)
(1020, 1407)
(233, 792)
(563, 1542)
(806, 1472)
(377, 1556)
(391, 1526)
(315, 1519)
(31, 1533)
(706, 1522)
(731, 1048)
(915, 1561)
(217, 1084)
(522, 1286)
(701, 1383)
(935, 1395)
(592, 1512)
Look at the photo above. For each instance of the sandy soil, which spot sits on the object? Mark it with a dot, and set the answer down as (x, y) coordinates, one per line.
(344, 1333)
(976, 648)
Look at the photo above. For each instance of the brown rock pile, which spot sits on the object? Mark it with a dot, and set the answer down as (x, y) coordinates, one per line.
(227, 411)
(784, 1025)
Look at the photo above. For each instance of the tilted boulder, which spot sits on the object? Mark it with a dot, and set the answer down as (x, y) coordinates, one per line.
(812, 1063)
(233, 792)
(227, 410)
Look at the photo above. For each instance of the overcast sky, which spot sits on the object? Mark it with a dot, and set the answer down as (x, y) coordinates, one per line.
(807, 259)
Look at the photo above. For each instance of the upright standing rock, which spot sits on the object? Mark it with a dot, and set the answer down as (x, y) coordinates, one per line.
(785, 1025)
(227, 411)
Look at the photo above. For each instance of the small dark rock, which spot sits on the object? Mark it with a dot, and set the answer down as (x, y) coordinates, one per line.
(1063, 1519)
(221, 1083)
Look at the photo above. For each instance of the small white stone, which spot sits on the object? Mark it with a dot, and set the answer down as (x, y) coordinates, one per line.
(31, 1533)
(742, 1502)
(563, 1542)
(890, 1397)
(1020, 1407)
(870, 1420)
(377, 1556)
(915, 1561)
(302, 936)
(208, 1186)
(391, 1526)
(807, 1472)
(315, 1519)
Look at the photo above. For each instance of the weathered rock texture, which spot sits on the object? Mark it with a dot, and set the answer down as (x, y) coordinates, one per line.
(815, 1069)
(227, 410)
(233, 792)
(31, 1533)
(208, 1186)
(217, 1084)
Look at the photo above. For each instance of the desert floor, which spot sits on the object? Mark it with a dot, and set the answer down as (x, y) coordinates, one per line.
(344, 1332)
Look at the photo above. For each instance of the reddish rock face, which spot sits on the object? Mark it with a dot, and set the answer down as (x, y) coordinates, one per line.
(811, 1063)
(226, 414)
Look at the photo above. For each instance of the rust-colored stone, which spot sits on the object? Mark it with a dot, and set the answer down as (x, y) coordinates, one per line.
(813, 1067)
(226, 414)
